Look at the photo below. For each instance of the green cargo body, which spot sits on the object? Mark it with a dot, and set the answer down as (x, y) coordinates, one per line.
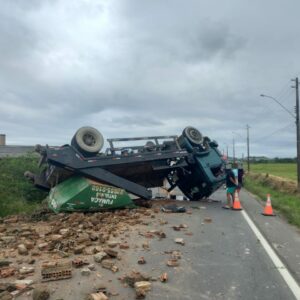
(81, 194)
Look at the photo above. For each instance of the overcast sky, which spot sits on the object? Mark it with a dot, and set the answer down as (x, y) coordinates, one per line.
(135, 68)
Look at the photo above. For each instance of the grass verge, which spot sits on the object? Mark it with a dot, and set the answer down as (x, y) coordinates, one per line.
(285, 170)
(286, 203)
(17, 195)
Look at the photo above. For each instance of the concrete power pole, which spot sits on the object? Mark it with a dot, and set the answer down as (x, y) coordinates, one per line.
(233, 150)
(248, 148)
(297, 131)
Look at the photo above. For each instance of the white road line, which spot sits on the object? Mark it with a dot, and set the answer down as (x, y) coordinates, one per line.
(290, 281)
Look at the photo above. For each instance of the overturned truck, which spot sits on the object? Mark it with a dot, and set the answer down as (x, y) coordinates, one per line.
(82, 178)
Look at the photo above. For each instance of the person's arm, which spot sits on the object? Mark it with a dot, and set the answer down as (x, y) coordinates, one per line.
(232, 179)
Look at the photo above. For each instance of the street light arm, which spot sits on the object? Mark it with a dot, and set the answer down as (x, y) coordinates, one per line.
(288, 111)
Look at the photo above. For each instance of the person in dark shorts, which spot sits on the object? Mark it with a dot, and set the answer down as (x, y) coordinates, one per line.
(231, 187)
(240, 176)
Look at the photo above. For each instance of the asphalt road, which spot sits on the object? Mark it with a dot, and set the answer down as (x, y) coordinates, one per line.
(222, 259)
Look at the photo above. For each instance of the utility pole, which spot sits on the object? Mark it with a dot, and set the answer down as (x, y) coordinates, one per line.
(233, 149)
(296, 87)
(248, 148)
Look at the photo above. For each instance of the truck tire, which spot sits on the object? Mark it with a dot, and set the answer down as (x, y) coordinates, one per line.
(193, 135)
(87, 140)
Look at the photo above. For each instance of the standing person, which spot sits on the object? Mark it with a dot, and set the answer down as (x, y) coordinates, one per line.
(241, 175)
(231, 187)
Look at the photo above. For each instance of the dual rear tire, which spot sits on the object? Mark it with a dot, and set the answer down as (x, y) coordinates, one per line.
(88, 141)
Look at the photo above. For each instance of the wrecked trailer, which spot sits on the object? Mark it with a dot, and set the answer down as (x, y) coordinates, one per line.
(81, 178)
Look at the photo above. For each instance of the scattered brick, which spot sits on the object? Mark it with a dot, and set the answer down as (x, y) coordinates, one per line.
(100, 256)
(124, 246)
(40, 293)
(22, 250)
(56, 270)
(111, 252)
(97, 296)
(141, 289)
(172, 263)
(7, 272)
(179, 241)
(163, 277)
(207, 220)
(141, 260)
(85, 272)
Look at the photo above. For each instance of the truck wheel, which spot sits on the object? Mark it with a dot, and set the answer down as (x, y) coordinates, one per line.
(87, 140)
(193, 135)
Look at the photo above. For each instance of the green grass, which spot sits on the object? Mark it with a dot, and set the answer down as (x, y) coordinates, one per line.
(287, 204)
(17, 195)
(286, 170)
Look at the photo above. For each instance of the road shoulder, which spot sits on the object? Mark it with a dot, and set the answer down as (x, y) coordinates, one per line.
(283, 237)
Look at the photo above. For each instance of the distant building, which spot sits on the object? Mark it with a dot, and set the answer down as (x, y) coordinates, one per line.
(258, 158)
(15, 151)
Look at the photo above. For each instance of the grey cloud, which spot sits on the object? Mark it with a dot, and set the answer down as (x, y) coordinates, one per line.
(145, 67)
(17, 38)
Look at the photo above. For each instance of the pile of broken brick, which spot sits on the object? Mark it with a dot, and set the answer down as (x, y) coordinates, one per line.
(65, 236)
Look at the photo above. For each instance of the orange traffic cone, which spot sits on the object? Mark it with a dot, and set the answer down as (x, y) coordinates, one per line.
(236, 202)
(268, 211)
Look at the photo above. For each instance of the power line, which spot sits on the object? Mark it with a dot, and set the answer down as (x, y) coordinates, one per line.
(284, 93)
(274, 132)
(286, 97)
(286, 88)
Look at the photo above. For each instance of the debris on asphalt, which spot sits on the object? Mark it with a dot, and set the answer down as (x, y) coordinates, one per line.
(189, 233)
(179, 241)
(111, 252)
(40, 293)
(163, 277)
(195, 207)
(12, 290)
(6, 296)
(173, 208)
(112, 244)
(141, 289)
(91, 267)
(134, 277)
(145, 245)
(56, 270)
(141, 260)
(176, 228)
(124, 246)
(97, 296)
(176, 254)
(173, 262)
(77, 244)
(26, 270)
(4, 263)
(207, 220)
(100, 256)
(22, 250)
(85, 272)
(79, 262)
(7, 272)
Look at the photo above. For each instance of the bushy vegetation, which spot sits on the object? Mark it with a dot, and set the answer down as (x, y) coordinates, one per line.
(17, 195)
